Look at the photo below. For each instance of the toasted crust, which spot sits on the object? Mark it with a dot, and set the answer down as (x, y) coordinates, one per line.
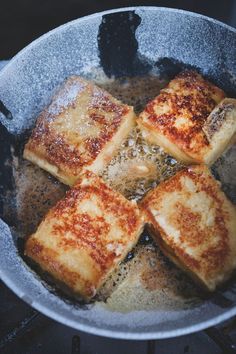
(194, 224)
(81, 129)
(220, 129)
(83, 238)
(175, 118)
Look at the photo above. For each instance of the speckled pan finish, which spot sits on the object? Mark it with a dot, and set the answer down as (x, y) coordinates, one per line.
(126, 41)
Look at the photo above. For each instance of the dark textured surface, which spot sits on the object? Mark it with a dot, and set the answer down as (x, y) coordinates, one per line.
(22, 21)
(118, 46)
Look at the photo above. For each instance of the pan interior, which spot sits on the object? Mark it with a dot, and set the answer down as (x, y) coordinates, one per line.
(149, 296)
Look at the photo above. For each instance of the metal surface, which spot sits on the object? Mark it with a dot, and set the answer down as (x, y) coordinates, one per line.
(152, 35)
(44, 336)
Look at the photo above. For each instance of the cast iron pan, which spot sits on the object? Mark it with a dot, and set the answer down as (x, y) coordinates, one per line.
(124, 42)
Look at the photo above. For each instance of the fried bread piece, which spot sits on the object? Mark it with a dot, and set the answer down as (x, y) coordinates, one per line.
(175, 119)
(84, 237)
(81, 129)
(220, 129)
(194, 224)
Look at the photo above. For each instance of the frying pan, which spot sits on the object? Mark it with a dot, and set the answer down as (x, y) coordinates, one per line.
(124, 42)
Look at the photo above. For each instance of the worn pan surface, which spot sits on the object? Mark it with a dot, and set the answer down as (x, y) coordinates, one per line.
(123, 42)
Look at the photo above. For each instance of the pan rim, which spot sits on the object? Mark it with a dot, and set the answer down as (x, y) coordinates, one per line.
(92, 329)
(129, 335)
(107, 12)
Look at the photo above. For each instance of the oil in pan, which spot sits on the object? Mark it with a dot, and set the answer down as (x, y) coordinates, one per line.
(146, 280)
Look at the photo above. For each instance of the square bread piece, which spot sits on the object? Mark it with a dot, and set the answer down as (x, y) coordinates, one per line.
(84, 237)
(81, 129)
(175, 119)
(194, 224)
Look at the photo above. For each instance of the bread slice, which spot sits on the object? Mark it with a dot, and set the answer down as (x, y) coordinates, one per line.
(175, 119)
(220, 129)
(84, 237)
(194, 224)
(81, 129)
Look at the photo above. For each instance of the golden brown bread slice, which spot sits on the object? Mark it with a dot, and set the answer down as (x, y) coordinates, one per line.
(175, 119)
(84, 237)
(220, 129)
(194, 224)
(81, 129)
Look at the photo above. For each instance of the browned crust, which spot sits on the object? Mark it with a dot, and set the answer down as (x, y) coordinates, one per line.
(188, 95)
(47, 257)
(210, 261)
(54, 147)
(75, 230)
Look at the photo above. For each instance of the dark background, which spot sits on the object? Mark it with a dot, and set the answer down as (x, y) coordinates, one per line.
(21, 21)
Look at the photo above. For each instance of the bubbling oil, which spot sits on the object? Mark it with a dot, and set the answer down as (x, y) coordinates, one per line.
(138, 167)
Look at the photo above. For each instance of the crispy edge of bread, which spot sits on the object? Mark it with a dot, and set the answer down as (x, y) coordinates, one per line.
(46, 166)
(113, 145)
(170, 254)
(220, 129)
(152, 137)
